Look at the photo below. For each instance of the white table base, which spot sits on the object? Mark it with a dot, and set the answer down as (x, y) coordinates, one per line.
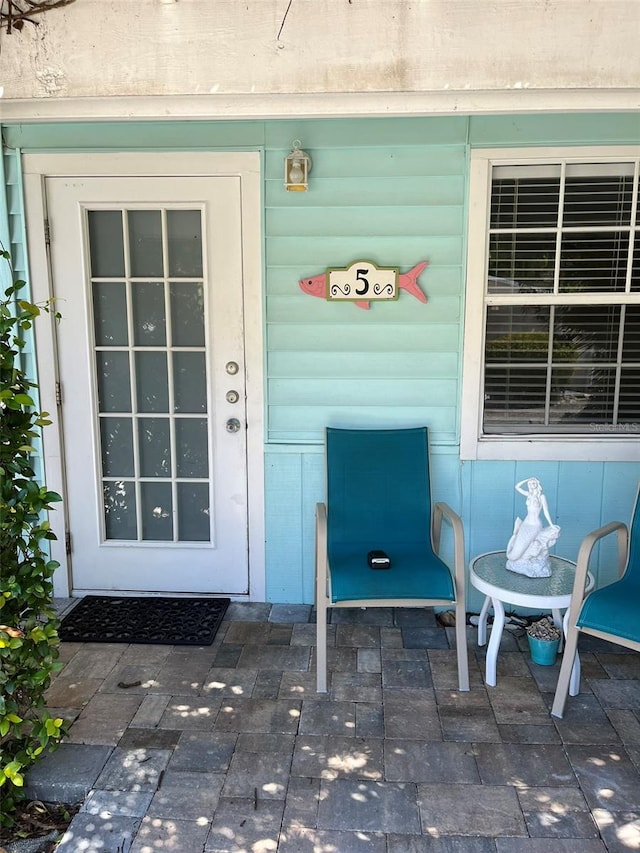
(496, 636)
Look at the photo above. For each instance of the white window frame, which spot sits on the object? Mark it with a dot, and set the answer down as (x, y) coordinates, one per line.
(473, 444)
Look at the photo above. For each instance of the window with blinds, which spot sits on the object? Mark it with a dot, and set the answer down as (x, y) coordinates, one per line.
(560, 307)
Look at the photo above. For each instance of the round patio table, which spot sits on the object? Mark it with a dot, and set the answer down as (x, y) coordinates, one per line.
(488, 573)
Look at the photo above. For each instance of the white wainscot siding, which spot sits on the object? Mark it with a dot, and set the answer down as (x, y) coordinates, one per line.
(581, 498)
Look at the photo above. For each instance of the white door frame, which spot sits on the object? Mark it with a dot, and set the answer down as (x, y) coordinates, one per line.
(246, 165)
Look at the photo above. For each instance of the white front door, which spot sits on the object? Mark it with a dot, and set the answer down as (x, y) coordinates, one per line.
(148, 277)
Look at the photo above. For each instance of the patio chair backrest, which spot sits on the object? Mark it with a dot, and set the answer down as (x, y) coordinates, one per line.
(378, 486)
(612, 609)
(633, 564)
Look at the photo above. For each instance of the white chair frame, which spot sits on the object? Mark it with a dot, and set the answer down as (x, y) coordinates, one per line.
(569, 677)
(323, 591)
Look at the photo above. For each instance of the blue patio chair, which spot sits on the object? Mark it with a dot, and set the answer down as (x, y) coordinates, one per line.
(611, 612)
(378, 498)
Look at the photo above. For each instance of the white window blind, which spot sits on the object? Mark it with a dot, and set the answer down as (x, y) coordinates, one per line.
(561, 337)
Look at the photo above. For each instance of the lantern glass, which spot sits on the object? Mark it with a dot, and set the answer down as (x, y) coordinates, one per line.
(296, 169)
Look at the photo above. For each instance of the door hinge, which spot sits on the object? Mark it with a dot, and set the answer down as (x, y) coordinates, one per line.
(47, 232)
(67, 541)
(58, 393)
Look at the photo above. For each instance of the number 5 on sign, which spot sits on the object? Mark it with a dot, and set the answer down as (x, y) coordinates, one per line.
(362, 280)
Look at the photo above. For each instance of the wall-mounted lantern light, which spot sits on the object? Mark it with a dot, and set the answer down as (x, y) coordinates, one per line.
(297, 166)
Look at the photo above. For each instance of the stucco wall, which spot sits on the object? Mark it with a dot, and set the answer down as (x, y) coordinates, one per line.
(111, 48)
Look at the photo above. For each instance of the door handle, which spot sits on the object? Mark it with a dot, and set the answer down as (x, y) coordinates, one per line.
(233, 425)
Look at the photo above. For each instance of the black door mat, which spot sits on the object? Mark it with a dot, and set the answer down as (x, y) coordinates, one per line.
(168, 621)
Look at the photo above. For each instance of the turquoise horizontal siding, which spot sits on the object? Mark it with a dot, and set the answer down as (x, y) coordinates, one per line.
(5, 234)
(14, 234)
(434, 281)
(407, 221)
(367, 133)
(339, 392)
(555, 129)
(135, 135)
(302, 308)
(290, 424)
(393, 191)
(323, 365)
(311, 337)
(395, 204)
(273, 135)
(313, 255)
(360, 192)
(393, 160)
(397, 199)
(13, 240)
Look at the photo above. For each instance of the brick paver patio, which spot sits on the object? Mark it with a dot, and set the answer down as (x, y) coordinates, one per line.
(229, 747)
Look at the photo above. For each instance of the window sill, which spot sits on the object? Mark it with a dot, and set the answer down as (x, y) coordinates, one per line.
(574, 449)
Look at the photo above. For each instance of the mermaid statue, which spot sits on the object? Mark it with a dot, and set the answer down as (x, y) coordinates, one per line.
(528, 548)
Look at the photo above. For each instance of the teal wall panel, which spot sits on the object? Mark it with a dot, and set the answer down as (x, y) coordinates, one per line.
(410, 221)
(133, 135)
(359, 192)
(617, 492)
(312, 337)
(387, 196)
(443, 280)
(446, 487)
(316, 134)
(284, 523)
(306, 365)
(392, 198)
(581, 497)
(14, 240)
(313, 480)
(303, 308)
(391, 190)
(314, 255)
(555, 129)
(364, 161)
(339, 392)
(487, 511)
(5, 230)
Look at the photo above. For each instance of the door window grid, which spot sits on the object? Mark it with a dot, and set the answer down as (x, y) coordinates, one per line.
(519, 294)
(126, 497)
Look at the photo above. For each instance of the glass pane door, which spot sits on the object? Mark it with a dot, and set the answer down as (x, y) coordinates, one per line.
(149, 273)
(150, 363)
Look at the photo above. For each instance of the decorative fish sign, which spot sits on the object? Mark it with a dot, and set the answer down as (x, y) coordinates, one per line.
(354, 283)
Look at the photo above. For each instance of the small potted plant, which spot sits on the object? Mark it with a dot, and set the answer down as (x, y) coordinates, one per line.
(544, 640)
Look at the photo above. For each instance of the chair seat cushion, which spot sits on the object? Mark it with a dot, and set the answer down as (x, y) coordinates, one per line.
(614, 609)
(415, 573)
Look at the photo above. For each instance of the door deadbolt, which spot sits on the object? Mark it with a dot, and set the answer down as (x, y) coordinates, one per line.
(233, 425)
(232, 396)
(231, 367)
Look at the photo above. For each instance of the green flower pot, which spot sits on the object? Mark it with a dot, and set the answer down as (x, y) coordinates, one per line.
(543, 652)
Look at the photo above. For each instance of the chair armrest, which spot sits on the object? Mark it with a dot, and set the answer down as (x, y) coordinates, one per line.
(322, 574)
(321, 521)
(584, 557)
(442, 510)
